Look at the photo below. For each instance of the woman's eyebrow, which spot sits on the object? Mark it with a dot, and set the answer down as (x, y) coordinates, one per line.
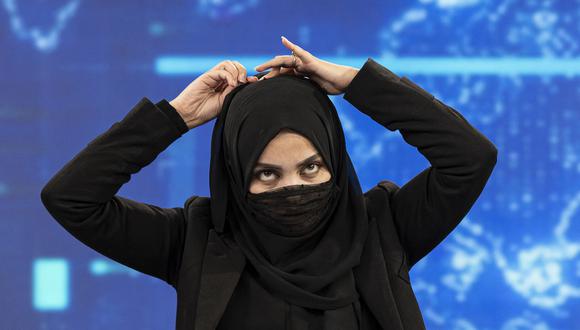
(305, 161)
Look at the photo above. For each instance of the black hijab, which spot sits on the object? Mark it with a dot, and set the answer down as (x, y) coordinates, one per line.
(313, 270)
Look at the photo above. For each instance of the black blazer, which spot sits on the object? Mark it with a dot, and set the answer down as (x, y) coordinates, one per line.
(179, 246)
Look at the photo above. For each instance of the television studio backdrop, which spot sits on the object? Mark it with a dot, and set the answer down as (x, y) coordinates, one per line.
(69, 69)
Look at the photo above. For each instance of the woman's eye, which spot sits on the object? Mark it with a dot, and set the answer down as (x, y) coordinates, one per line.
(265, 175)
(312, 168)
(269, 175)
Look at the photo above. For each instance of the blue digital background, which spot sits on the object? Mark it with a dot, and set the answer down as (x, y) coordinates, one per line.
(70, 68)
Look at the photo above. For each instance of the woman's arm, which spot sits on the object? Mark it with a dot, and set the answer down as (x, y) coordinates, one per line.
(428, 207)
(81, 196)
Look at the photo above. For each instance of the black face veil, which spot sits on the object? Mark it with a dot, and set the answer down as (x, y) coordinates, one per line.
(313, 270)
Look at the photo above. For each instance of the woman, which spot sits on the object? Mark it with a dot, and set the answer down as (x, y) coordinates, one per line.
(294, 243)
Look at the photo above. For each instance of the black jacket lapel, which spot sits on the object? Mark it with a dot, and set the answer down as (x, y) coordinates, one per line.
(221, 270)
(373, 282)
(371, 275)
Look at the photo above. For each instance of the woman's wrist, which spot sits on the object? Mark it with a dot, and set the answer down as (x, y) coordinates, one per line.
(347, 77)
(190, 120)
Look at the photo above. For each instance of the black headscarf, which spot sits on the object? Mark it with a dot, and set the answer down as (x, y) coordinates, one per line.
(313, 270)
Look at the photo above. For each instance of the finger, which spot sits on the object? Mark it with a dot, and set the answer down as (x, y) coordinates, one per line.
(274, 72)
(220, 65)
(231, 67)
(220, 76)
(277, 61)
(298, 51)
(241, 72)
(252, 78)
(280, 60)
(226, 66)
(290, 71)
(266, 76)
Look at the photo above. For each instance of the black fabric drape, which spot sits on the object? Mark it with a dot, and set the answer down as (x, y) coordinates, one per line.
(313, 270)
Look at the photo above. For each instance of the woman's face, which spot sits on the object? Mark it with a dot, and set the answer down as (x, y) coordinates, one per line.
(288, 159)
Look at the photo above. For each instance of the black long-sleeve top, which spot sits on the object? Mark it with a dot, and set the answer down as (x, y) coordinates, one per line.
(82, 195)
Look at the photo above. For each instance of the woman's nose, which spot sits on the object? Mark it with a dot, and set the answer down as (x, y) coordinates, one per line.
(291, 180)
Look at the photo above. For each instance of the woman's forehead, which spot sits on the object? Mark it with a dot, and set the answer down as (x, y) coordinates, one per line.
(288, 145)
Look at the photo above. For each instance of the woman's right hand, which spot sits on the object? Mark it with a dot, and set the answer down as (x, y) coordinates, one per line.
(202, 99)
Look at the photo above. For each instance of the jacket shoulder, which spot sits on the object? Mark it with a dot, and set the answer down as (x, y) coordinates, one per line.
(385, 185)
(389, 186)
(197, 209)
(197, 202)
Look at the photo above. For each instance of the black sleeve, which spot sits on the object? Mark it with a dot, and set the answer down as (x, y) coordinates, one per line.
(428, 207)
(81, 196)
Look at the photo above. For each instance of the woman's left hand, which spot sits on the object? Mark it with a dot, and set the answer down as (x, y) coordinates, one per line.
(333, 78)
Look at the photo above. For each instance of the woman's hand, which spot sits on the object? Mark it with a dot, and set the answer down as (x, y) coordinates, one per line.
(333, 78)
(202, 99)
